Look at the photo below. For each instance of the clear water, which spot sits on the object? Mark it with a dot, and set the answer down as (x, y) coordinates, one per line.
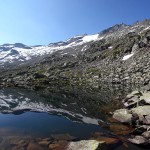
(43, 125)
(42, 113)
(76, 112)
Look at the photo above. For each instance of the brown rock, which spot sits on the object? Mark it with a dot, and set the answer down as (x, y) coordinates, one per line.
(18, 141)
(65, 137)
(44, 142)
(112, 120)
(34, 146)
(120, 129)
(54, 146)
(60, 145)
(108, 140)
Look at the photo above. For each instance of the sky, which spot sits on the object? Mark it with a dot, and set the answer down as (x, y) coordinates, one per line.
(40, 22)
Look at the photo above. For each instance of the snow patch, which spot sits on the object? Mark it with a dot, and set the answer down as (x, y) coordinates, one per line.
(146, 28)
(127, 56)
(89, 38)
(110, 47)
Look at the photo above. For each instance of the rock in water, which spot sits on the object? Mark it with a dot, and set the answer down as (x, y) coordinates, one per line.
(84, 145)
(122, 115)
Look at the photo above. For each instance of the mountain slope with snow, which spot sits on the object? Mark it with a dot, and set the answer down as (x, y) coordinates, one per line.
(17, 54)
(118, 54)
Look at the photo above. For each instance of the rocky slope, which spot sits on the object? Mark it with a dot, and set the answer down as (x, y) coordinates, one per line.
(136, 113)
(119, 54)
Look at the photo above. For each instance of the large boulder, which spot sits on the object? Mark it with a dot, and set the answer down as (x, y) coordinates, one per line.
(143, 113)
(138, 140)
(146, 97)
(123, 115)
(85, 145)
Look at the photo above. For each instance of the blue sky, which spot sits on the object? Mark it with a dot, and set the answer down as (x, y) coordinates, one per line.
(35, 22)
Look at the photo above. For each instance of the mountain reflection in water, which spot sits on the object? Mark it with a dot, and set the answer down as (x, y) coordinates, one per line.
(76, 112)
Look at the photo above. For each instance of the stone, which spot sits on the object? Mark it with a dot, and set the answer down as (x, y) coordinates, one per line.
(85, 145)
(44, 142)
(146, 134)
(18, 141)
(138, 140)
(147, 120)
(146, 97)
(66, 137)
(54, 146)
(133, 94)
(142, 112)
(108, 140)
(122, 115)
(141, 129)
(58, 145)
(133, 102)
(120, 129)
(34, 146)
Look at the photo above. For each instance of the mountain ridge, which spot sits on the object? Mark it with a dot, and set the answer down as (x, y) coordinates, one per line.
(119, 54)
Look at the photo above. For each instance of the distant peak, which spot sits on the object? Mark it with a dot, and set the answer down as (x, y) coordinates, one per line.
(114, 28)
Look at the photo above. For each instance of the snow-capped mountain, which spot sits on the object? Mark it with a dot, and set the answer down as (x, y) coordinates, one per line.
(17, 54)
(20, 53)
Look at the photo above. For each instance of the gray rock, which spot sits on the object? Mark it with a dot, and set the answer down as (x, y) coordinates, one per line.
(133, 94)
(85, 145)
(146, 134)
(122, 115)
(146, 97)
(138, 140)
(147, 119)
(133, 102)
(142, 112)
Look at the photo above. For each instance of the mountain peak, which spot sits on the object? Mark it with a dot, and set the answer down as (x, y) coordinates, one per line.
(114, 28)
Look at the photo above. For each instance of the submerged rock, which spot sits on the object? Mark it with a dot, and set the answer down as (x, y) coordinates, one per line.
(120, 129)
(66, 137)
(34, 146)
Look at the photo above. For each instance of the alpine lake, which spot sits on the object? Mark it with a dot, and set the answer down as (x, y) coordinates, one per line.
(78, 113)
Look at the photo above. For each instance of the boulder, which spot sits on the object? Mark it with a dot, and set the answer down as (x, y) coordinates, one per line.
(141, 129)
(146, 97)
(85, 145)
(133, 94)
(138, 140)
(142, 112)
(146, 134)
(66, 137)
(123, 115)
(133, 102)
